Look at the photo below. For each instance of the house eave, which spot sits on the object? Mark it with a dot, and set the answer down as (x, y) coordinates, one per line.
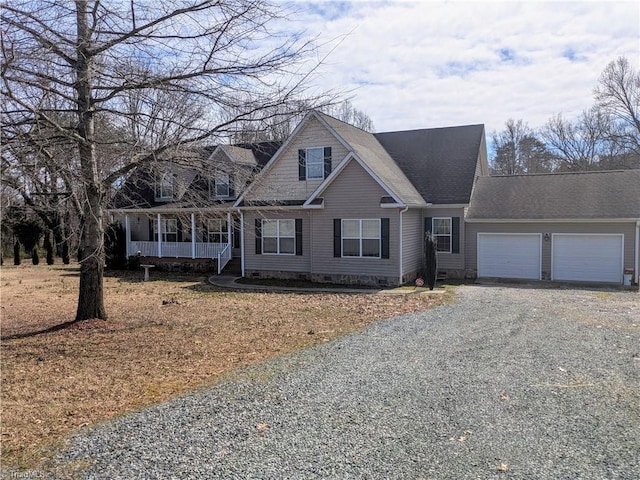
(550, 220)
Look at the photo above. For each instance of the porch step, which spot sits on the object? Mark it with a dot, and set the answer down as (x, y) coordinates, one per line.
(233, 266)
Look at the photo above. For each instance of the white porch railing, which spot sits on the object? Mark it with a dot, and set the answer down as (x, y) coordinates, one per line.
(223, 257)
(181, 250)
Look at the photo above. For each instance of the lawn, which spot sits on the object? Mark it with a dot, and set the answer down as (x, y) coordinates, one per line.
(163, 338)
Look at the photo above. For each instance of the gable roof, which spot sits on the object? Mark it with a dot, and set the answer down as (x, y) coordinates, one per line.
(439, 162)
(578, 195)
(370, 153)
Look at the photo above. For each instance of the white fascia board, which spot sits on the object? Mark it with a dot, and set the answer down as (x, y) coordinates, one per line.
(325, 183)
(550, 220)
(283, 147)
(352, 156)
(449, 205)
(148, 211)
(269, 207)
(403, 205)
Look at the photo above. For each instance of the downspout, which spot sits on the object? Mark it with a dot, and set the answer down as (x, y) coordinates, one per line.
(401, 272)
(637, 251)
(241, 242)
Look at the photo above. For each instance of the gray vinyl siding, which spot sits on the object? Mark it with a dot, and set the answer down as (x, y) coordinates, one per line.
(281, 182)
(412, 234)
(354, 194)
(472, 230)
(283, 263)
(450, 261)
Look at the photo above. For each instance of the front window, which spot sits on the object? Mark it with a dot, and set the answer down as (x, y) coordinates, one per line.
(220, 185)
(217, 231)
(442, 233)
(361, 238)
(315, 163)
(169, 229)
(164, 186)
(278, 237)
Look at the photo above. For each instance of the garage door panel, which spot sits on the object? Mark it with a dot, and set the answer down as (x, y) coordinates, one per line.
(509, 255)
(587, 258)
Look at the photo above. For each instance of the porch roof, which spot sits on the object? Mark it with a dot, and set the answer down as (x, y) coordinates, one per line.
(177, 207)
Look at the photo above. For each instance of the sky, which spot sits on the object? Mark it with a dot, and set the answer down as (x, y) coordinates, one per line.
(427, 64)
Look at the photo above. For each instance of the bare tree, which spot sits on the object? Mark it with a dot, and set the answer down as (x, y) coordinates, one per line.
(618, 96)
(346, 112)
(518, 151)
(68, 66)
(579, 144)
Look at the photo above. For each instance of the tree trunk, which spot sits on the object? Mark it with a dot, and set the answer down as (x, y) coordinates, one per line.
(91, 298)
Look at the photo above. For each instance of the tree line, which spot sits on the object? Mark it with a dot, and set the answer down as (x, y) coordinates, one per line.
(603, 137)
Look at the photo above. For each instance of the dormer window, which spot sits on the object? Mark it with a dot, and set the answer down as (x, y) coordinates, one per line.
(164, 186)
(314, 163)
(220, 186)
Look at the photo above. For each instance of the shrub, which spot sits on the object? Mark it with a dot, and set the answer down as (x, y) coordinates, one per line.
(17, 259)
(430, 260)
(134, 262)
(65, 253)
(28, 232)
(48, 245)
(115, 246)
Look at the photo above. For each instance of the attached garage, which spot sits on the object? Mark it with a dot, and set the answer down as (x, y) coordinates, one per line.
(510, 255)
(587, 257)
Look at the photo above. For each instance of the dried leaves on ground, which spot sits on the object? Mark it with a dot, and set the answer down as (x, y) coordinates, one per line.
(163, 338)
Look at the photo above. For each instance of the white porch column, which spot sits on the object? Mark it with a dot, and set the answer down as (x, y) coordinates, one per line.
(242, 242)
(159, 236)
(229, 230)
(127, 234)
(193, 235)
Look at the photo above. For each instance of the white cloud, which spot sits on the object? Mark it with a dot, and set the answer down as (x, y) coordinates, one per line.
(429, 64)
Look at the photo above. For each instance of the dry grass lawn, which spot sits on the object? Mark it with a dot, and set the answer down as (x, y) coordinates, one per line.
(54, 383)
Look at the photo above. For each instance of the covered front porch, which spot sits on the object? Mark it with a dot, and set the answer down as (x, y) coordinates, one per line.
(180, 235)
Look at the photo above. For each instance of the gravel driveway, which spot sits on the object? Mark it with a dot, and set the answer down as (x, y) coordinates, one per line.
(508, 382)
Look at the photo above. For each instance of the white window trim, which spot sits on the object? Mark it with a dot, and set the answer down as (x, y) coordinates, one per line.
(160, 186)
(360, 237)
(306, 163)
(221, 229)
(278, 236)
(166, 222)
(213, 192)
(450, 234)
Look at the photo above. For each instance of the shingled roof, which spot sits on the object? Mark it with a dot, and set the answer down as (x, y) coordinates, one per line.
(439, 162)
(372, 153)
(580, 195)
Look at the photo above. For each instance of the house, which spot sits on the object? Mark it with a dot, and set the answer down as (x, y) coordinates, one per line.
(338, 204)
(334, 203)
(581, 226)
(172, 213)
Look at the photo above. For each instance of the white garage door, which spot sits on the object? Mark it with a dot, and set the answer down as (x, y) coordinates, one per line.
(587, 258)
(509, 255)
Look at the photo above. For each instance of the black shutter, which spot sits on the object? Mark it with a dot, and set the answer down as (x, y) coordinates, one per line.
(384, 234)
(298, 236)
(258, 236)
(428, 225)
(455, 235)
(152, 237)
(179, 230)
(327, 161)
(232, 192)
(337, 237)
(302, 164)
